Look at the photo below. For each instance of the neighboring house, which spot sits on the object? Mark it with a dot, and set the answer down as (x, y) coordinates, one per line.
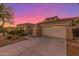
(56, 27)
(27, 27)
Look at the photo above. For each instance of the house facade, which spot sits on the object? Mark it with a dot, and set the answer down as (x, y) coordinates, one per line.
(56, 27)
(26, 27)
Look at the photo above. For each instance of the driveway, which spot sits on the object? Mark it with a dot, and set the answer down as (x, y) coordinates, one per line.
(39, 46)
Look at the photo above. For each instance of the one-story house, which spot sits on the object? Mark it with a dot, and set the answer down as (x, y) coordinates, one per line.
(56, 27)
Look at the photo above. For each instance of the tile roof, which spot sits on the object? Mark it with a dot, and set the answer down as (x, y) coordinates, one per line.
(25, 24)
(58, 19)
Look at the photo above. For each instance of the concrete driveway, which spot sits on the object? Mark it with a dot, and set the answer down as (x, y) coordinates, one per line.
(40, 46)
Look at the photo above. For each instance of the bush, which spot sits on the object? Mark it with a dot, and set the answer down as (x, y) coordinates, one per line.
(19, 32)
(23, 34)
(9, 37)
(15, 32)
(76, 32)
(1, 30)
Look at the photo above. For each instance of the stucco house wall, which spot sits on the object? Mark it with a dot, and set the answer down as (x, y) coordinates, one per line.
(27, 27)
(48, 27)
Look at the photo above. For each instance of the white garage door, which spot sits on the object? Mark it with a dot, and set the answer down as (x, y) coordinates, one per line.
(54, 32)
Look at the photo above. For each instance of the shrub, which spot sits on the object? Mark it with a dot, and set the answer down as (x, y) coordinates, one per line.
(9, 37)
(23, 34)
(75, 32)
(1, 29)
(15, 32)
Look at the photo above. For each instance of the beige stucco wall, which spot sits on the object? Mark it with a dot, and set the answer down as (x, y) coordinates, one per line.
(69, 33)
(27, 28)
(60, 33)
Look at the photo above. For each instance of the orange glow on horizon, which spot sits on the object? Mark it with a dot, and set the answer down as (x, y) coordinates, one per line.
(6, 25)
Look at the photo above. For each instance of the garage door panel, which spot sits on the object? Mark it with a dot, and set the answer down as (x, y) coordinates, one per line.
(56, 32)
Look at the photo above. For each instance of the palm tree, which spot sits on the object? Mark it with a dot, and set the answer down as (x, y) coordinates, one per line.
(6, 15)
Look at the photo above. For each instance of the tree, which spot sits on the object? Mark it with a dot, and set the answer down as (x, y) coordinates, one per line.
(6, 15)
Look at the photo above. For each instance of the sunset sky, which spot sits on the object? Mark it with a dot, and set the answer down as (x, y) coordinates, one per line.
(34, 13)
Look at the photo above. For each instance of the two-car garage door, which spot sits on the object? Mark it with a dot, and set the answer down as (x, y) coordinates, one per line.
(50, 31)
